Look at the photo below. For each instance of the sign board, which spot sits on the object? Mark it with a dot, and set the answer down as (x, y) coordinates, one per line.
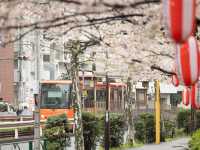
(84, 93)
(54, 94)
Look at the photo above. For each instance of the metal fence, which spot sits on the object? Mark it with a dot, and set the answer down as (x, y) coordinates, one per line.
(28, 144)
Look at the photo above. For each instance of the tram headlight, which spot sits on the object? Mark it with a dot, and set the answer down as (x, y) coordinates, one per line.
(42, 116)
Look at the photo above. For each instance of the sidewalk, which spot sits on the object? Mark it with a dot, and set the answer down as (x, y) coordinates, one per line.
(179, 144)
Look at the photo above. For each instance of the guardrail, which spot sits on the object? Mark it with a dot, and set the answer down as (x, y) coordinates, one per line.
(21, 124)
(6, 118)
(19, 139)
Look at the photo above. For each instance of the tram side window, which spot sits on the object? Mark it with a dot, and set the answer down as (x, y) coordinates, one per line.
(90, 95)
(101, 95)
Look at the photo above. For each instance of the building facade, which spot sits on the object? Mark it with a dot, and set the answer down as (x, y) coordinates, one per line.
(36, 59)
(6, 71)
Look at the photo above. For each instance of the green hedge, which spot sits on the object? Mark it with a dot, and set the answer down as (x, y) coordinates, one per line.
(92, 130)
(183, 120)
(145, 128)
(117, 129)
(56, 132)
(169, 129)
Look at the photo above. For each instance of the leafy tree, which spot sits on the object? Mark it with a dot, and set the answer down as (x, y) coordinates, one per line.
(75, 48)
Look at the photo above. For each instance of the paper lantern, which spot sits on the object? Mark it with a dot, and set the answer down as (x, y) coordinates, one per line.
(175, 80)
(186, 96)
(195, 96)
(187, 62)
(180, 18)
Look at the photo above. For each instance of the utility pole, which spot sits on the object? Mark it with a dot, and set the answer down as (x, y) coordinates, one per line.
(157, 111)
(37, 123)
(20, 88)
(83, 89)
(36, 96)
(94, 81)
(95, 93)
(37, 55)
(107, 118)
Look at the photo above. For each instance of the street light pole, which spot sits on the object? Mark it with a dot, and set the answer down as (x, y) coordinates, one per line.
(107, 123)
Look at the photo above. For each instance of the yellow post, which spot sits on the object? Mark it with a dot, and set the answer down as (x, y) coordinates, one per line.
(157, 110)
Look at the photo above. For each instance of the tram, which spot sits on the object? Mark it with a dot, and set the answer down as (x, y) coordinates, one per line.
(116, 93)
(55, 98)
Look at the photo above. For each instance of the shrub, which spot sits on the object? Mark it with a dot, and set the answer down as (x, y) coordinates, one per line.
(3, 107)
(91, 130)
(169, 127)
(194, 143)
(197, 119)
(145, 128)
(56, 132)
(179, 132)
(139, 128)
(117, 129)
(183, 120)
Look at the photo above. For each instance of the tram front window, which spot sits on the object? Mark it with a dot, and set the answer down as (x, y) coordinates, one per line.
(55, 96)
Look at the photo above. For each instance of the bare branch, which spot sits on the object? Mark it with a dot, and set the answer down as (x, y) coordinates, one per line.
(168, 73)
(18, 38)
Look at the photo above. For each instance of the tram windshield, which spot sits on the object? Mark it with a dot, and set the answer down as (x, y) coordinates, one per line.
(55, 96)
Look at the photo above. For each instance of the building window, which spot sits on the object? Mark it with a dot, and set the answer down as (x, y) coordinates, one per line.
(16, 64)
(46, 58)
(52, 52)
(163, 100)
(58, 54)
(1, 41)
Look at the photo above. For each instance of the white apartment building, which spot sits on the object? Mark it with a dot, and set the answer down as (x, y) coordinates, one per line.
(36, 59)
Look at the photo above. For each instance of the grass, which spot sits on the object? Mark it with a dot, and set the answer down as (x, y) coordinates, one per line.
(19, 129)
(125, 146)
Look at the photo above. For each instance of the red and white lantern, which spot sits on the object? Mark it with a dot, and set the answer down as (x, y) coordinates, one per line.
(175, 80)
(195, 96)
(187, 62)
(180, 18)
(186, 96)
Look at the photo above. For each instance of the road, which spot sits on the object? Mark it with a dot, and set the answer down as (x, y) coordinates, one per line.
(179, 144)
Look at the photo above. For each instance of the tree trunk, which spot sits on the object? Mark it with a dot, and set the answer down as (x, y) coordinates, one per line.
(79, 141)
(129, 113)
